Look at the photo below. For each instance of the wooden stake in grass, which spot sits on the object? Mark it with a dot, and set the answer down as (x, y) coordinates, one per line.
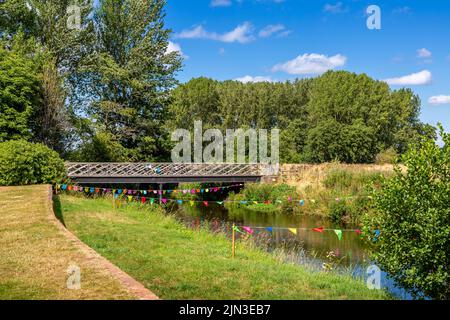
(233, 250)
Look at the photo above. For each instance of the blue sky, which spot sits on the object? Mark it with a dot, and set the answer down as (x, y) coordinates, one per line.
(277, 40)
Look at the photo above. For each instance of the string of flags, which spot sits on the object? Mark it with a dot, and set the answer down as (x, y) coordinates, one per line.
(145, 195)
(67, 187)
(338, 232)
(130, 196)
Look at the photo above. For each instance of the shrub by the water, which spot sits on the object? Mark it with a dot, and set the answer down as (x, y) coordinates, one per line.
(25, 163)
(413, 215)
(277, 195)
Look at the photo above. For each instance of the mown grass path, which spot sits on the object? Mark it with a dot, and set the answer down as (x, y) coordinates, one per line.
(178, 263)
(35, 253)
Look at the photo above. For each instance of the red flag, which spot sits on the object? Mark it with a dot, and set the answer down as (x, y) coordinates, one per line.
(318, 230)
(205, 203)
(143, 199)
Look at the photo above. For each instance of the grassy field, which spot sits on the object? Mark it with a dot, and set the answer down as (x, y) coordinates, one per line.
(34, 255)
(179, 263)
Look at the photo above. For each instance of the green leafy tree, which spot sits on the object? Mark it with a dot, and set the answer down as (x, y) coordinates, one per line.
(46, 28)
(413, 215)
(19, 94)
(358, 117)
(131, 73)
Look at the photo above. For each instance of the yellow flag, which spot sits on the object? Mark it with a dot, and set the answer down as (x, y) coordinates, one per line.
(192, 203)
(294, 231)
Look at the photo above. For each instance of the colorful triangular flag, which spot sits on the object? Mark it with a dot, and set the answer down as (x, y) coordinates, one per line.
(339, 234)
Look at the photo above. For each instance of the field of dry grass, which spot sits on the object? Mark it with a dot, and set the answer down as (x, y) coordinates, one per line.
(35, 255)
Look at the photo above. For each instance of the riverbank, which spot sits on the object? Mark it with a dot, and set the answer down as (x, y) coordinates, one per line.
(35, 255)
(179, 263)
(340, 193)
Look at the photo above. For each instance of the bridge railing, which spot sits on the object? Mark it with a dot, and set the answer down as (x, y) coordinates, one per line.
(117, 170)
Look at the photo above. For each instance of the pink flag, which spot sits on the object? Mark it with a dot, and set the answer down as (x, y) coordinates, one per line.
(249, 230)
(164, 201)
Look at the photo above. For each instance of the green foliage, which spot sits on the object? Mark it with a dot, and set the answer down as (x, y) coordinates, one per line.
(413, 214)
(354, 117)
(338, 210)
(343, 196)
(103, 147)
(278, 196)
(388, 156)
(130, 74)
(19, 94)
(338, 116)
(24, 163)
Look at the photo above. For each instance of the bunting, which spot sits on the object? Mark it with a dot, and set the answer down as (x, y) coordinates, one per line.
(144, 193)
(133, 194)
(339, 234)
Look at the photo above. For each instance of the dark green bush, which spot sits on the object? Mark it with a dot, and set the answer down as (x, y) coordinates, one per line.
(24, 163)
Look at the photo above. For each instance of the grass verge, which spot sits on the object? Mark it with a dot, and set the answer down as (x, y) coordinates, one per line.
(178, 263)
(35, 256)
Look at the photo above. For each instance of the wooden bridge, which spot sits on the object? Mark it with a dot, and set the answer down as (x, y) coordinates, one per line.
(162, 173)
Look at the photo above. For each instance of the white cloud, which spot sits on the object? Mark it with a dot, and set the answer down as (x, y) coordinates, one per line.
(174, 47)
(220, 3)
(311, 64)
(402, 10)
(271, 29)
(415, 79)
(247, 79)
(242, 34)
(424, 53)
(436, 100)
(335, 8)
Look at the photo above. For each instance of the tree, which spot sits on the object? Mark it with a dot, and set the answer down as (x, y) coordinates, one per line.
(131, 74)
(48, 23)
(19, 94)
(413, 215)
(360, 118)
(50, 123)
(45, 29)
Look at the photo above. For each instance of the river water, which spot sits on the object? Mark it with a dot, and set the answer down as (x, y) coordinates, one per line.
(317, 250)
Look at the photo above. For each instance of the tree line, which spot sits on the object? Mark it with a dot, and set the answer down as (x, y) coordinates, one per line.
(108, 92)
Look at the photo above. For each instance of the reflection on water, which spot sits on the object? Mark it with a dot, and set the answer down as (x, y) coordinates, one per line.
(307, 247)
